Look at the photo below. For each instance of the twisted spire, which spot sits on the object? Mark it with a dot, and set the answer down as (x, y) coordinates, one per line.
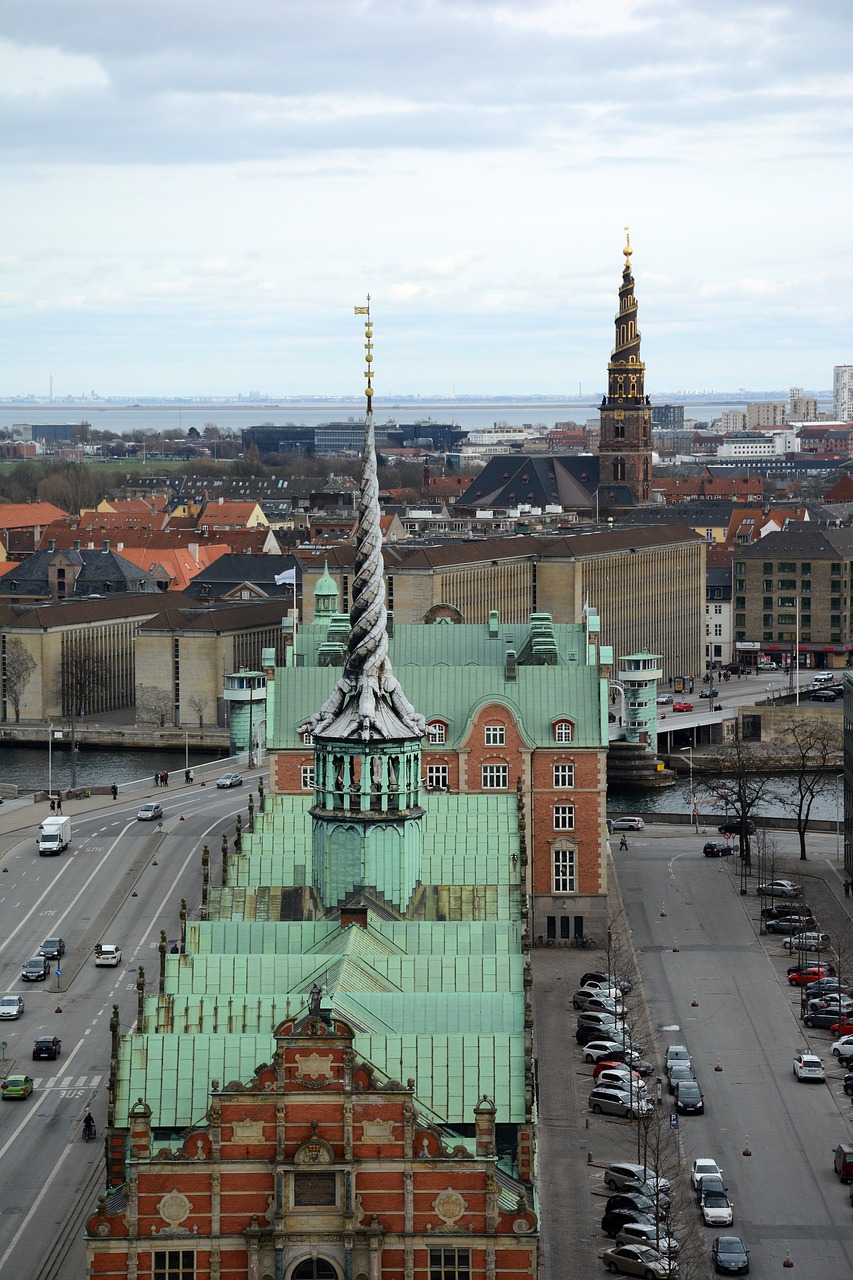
(368, 702)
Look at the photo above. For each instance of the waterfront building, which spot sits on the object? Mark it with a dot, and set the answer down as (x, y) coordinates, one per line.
(842, 393)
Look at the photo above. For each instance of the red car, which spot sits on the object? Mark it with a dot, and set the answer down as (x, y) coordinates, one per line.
(802, 977)
(842, 1028)
(682, 706)
(613, 1066)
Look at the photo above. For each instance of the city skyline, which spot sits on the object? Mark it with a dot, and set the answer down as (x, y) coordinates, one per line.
(199, 194)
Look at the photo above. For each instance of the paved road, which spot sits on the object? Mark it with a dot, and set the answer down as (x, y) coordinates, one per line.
(786, 1197)
(105, 888)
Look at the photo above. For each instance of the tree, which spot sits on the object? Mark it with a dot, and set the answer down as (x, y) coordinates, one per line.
(152, 705)
(83, 681)
(211, 431)
(198, 702)
(741, 781)
(815, 754)
(20, 665)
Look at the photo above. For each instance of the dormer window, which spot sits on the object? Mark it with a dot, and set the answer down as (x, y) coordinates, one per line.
(436, 732)
(564, 731)
(307, 739)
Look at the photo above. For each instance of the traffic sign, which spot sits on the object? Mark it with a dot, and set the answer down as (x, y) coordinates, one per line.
(58, 972)
(673, 1120)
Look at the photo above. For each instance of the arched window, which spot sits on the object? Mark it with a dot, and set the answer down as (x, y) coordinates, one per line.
(315, 1269)
(437, 732)
(619, 469)
(564, 731)
(619, 430)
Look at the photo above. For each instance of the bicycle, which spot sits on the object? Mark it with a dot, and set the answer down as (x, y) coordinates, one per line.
(584, 944)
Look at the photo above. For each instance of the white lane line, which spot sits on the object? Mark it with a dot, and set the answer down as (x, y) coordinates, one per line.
(34, 1210)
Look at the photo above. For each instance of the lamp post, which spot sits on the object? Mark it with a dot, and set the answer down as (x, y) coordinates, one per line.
(186, 750)
(50, 761)
(694, 812)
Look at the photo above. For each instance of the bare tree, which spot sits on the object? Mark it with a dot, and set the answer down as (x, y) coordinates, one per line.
(83, 681)
(152, 705)
(741, 781)
(814, 753)
(198, 702)
(19, 666)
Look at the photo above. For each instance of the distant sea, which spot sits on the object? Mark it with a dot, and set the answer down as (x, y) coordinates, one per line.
(469, 415)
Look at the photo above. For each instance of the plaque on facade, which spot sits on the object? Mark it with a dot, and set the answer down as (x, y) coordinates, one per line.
(316, 1189)
(378, 1130)
(173, 1208)
(314, 1066)
(247, 1130)
(449, 1206)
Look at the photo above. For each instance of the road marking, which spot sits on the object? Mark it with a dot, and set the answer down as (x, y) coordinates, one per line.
(35, 1207)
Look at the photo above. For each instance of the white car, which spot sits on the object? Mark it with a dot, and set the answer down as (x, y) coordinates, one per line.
(704, 1168)
(807, 942)
(843, 1048)
(807, 1066)
(717, 1209)
(108, 955)
(626, 823)
(11, 1006)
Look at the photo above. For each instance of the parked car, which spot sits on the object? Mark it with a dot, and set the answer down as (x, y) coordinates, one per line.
(36, 969)
(637, 1203)
(815, 1018)
(730, 1256)
(807, 942)
(614, 1050)
(682, 706)
(843, 1047)
(652, 1234)
(842, 1028)
(717, 1210)
(636, 1260)
(716, 849)
(624, 1173)
(782, 910)
(679, 1074)
(780, 889)
(150, 812)
(689, 1099)
(842, 1161)
(615, 1219)
(107, 955)
(735, 827)
(610, 1101)
(595, 1018)
(800, 975)
(704, 1167)
(602, 988)
(584, 1035)
(229, 780)
(808, 1066)
(823, 695)
(790, 924)
(626, 823)
(46, 1047)
(52, 948)
(11, 1006)
(847, 1083)
(827, 987)
(621, 1077)
(597, 1001)
(606, 979)
(709, 1182)
(830, 1002)
(676, 1053)
(16, 1086)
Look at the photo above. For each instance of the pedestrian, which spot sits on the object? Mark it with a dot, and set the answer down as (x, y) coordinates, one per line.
(192, 775)
(623, 843)
(670, 682)
(156, 779)
(59, 804)
(187, 776)
(115, 791)
(165, 779)
(847, 888)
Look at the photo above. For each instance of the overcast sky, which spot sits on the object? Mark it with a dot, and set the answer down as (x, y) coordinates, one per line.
(197, 193)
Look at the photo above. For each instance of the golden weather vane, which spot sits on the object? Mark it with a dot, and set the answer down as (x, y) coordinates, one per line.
(368, 347)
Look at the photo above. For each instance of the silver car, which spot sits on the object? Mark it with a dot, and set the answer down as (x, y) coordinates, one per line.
(11, 1006)
(611, 1101)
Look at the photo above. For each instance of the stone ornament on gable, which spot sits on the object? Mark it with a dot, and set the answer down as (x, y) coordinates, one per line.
(377, 1130)
(173, 1208)
(450, 1206)
(314, 1068)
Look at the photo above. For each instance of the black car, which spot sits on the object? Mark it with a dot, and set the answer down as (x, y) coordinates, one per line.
(636, 1202)
(715, 849)
(848, 1082)
(52, 948)
(782, 910)
(678, 1075)
(615, 1219)
(828, 969)
(821, 1018)
(735, 827)
(790, 924)
(823, 695)
(583, 1035)
(46, 1047)
(609, 979)
(730, 1256)
(689, 1099)
(36, 969)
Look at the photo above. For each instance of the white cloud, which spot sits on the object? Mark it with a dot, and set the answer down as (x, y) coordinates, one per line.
(35, 72)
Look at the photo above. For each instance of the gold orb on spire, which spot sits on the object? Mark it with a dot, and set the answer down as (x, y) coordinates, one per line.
(627, 250)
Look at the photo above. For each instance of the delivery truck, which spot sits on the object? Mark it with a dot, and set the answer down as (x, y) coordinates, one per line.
(54, 836)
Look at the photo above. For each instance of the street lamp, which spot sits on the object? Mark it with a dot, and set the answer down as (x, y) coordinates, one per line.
(694, 812)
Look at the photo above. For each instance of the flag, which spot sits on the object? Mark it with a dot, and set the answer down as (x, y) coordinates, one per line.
(362, 311)
(288, 578)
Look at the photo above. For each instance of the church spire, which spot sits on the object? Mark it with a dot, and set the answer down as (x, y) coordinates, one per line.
(367, 702)
(625, 372)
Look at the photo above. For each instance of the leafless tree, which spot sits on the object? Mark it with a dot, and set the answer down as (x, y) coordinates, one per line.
(19, 666)
(152, 705)
(741, 781)
(814, 750)
(83, 682)
(198, 702)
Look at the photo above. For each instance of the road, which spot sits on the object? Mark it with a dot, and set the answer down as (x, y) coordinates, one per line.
(708, 980)
(121, 881)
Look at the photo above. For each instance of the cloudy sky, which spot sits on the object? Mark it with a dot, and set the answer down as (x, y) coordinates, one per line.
(197, 193)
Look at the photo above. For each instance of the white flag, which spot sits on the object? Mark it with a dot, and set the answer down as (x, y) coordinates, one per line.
(288, 578)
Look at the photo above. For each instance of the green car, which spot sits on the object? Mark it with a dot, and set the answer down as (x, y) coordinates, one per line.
(16, 1087)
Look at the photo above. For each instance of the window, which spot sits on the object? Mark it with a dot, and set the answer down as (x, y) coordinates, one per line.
(718, 629)
(806, 586)
(835, 567)
(495, 777)
(438, 775)
(564, 776)
(450, 1264)
(718, 609)
(740, 602)
(740, 621)
(767, 569)
(564, 817)
(767, 620)
(495, 735)
(835, 620)
(805, 568)
(306, 774)
(787, 584)
(741, 635)
(173, 1264)
(805, 619)
(788, 566)
(787, 602)
(437, 732)
(767, 602)
(786, 619)
(740, 584)
(563, 731)
(768, 584)
(563, 871)
(768, 635)
(308, 739)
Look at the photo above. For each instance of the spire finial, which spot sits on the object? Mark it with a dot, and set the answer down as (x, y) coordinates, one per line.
(368, 702)
(627, 250)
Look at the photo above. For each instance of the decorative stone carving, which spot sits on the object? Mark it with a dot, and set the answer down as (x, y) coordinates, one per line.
(450, 1206)
(312, 1153)
(377, 1130)
(247, 1130)
(314, 1066)
(174, 1207)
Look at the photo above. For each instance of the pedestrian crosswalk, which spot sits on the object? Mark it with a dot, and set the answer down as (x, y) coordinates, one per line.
(66, 1082)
